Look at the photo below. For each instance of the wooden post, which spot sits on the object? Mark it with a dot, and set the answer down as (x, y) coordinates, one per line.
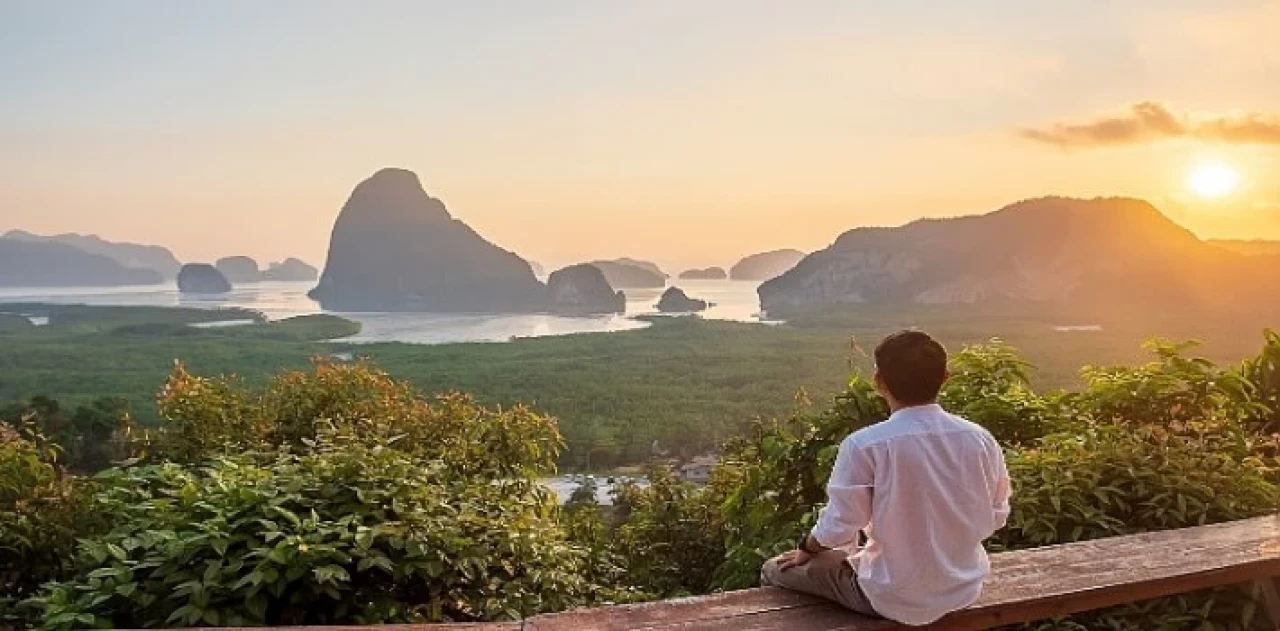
(1270, 590)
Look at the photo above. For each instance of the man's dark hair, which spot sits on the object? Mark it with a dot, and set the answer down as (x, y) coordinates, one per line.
(913, 366)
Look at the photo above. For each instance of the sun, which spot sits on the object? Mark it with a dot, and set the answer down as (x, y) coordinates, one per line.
(1212, 180)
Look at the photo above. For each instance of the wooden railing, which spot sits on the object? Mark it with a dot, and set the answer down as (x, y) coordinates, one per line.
(1027, 585)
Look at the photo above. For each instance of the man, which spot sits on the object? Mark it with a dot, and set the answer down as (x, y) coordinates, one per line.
(925, 487)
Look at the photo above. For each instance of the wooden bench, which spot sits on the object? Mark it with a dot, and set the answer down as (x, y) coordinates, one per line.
(1027, 585)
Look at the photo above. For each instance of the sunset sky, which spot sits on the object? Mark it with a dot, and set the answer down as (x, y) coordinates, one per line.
(687, 132)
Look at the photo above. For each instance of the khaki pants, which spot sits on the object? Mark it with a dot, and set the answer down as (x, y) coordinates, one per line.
(827, 575)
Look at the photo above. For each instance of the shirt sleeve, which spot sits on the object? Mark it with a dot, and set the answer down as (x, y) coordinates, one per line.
(849, 492)
(1003, 490)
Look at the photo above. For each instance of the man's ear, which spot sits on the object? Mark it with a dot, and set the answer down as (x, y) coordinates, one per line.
(946, 376)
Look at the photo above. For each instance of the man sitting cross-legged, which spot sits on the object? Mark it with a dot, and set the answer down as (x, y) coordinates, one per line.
(925, 487)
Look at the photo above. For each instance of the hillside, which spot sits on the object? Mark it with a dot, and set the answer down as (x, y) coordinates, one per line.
(1250, 247)
(631, 275)
(709, 273)
(290, 269)
(1085, 254)
(649, 265)
(765, 265)
(132, 255)
(51, 264)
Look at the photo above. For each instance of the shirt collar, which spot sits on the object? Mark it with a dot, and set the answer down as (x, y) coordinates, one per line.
(916, 411)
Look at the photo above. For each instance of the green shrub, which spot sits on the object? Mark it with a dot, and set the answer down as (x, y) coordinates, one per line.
(1114, 480)
(89, 437)
(991, 386)
(41, 515)
(1168, 444)
(672, 540)
(335, 496)
(349, 533)
(1263, 372)
(1170, 391)
(605, 571)
(204, 417)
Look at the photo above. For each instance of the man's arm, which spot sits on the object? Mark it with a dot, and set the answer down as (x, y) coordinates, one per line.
(848, 508)
(1003, 489)
(807, 547)
(849, 493)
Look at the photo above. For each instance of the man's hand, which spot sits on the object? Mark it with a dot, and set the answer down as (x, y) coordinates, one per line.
(795, 558)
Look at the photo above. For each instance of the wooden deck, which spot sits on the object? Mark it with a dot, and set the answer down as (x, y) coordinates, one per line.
(1026, 585)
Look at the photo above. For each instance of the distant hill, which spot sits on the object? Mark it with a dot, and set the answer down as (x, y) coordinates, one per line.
(765, 265)
(710, 273)
(652, 267)
(45, 263)
(394, 247)
(1085, 253)
(630, 276)
(239, 269)
(290, 269)
(1249, 247)
(126, 254)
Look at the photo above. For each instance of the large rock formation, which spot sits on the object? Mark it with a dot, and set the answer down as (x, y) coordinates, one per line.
(674, 300)
(51, 264)
(765, 265)
(396, 248)
(290, 269)
(239, 269)
(1083, 253)
(627, 276)
(584, 289)
(710, 273)
(202, 278)
(130, 255)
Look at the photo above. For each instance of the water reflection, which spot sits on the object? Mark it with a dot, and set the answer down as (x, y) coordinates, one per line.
(733, 300)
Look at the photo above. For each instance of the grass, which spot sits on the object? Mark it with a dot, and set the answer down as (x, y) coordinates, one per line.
(684, 382)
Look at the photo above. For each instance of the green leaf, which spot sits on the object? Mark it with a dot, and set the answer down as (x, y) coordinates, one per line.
(331, 573)
(183, 613)
(117, 552)
(287, 514)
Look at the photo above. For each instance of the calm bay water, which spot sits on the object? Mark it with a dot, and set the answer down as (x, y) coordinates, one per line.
(734, 300)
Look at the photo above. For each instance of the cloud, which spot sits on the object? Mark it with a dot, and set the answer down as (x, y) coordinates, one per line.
(1151, 122)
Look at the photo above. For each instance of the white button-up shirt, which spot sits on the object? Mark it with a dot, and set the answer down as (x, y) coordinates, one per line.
(927, 487)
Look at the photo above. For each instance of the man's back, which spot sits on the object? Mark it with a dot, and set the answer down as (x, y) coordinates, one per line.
(927, 487)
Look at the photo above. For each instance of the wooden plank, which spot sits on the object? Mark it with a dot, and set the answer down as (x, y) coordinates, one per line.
(824, 617)
(1269, 590)
(668, 612)
(1055, 581)
(1026, 585)
(458, 626)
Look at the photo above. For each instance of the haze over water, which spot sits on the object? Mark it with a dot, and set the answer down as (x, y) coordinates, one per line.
(733, 300)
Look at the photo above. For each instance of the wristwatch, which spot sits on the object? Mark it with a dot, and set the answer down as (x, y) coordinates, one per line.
(803, 544)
